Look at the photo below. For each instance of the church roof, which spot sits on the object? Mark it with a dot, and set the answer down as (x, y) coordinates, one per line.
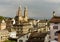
(42, 21)
(36, 34)
(37, 37)
(55, 19)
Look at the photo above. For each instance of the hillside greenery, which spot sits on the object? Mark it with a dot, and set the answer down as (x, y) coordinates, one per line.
(1, 18)
(9, 41)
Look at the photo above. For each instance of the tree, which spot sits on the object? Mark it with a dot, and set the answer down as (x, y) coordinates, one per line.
(9, 41)
(1, 17)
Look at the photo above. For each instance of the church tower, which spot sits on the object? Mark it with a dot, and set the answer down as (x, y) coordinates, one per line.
(25, 14)
(20, 14)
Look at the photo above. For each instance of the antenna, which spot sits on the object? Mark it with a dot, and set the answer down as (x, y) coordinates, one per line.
(53, 13)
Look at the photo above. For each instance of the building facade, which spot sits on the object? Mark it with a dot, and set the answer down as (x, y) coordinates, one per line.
(20, 23)
(2, 25)
(4, 34)
(54, 26)
(24, 38)
(43, 26)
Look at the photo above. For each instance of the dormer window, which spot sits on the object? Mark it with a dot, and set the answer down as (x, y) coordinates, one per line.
(55, 27)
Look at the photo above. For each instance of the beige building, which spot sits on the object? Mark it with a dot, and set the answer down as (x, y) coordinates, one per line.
(2, 25)
(43, 26)
(21, 24)
(26, 28)
(4, 34)
(22, 28)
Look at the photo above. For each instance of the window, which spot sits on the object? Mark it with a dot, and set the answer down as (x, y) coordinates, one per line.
(55, 27)
(1, 37)
(56, 39)
(27, 36)
(26, 41)
(56, 33)
(20, 40)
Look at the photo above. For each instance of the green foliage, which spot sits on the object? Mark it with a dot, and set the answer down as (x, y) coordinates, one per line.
(9, 41)
(1, 17)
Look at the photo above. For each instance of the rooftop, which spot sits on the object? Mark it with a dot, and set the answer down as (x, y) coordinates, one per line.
(55, 19)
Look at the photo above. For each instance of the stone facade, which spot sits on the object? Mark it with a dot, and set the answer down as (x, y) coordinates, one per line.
(2, 25)
(43, 26)
(4, 34)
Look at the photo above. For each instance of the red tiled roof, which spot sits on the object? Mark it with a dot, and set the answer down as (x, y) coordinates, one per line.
(55, 19)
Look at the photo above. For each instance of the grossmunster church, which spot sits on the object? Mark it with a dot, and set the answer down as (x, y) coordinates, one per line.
(19, 17)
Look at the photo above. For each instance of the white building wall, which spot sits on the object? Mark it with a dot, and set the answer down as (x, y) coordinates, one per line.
(52, 31)
(24, 38)
(13, 34)
(59, 26)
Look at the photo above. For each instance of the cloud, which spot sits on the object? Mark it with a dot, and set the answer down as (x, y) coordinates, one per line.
(8, 7)
(36, 8)
(53, 1)
(9, 12)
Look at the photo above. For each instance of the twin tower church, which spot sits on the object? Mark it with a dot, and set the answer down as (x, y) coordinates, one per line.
(19, 17)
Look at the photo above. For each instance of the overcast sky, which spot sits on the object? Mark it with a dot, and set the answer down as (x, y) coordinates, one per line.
(36, 8)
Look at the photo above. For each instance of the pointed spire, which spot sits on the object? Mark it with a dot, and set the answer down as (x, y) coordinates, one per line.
(53, 13)
(19, 11)
(20, 6)
(25, 11)
(26, 8)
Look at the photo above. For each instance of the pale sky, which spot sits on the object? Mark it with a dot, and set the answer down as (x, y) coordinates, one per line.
(36, 8)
